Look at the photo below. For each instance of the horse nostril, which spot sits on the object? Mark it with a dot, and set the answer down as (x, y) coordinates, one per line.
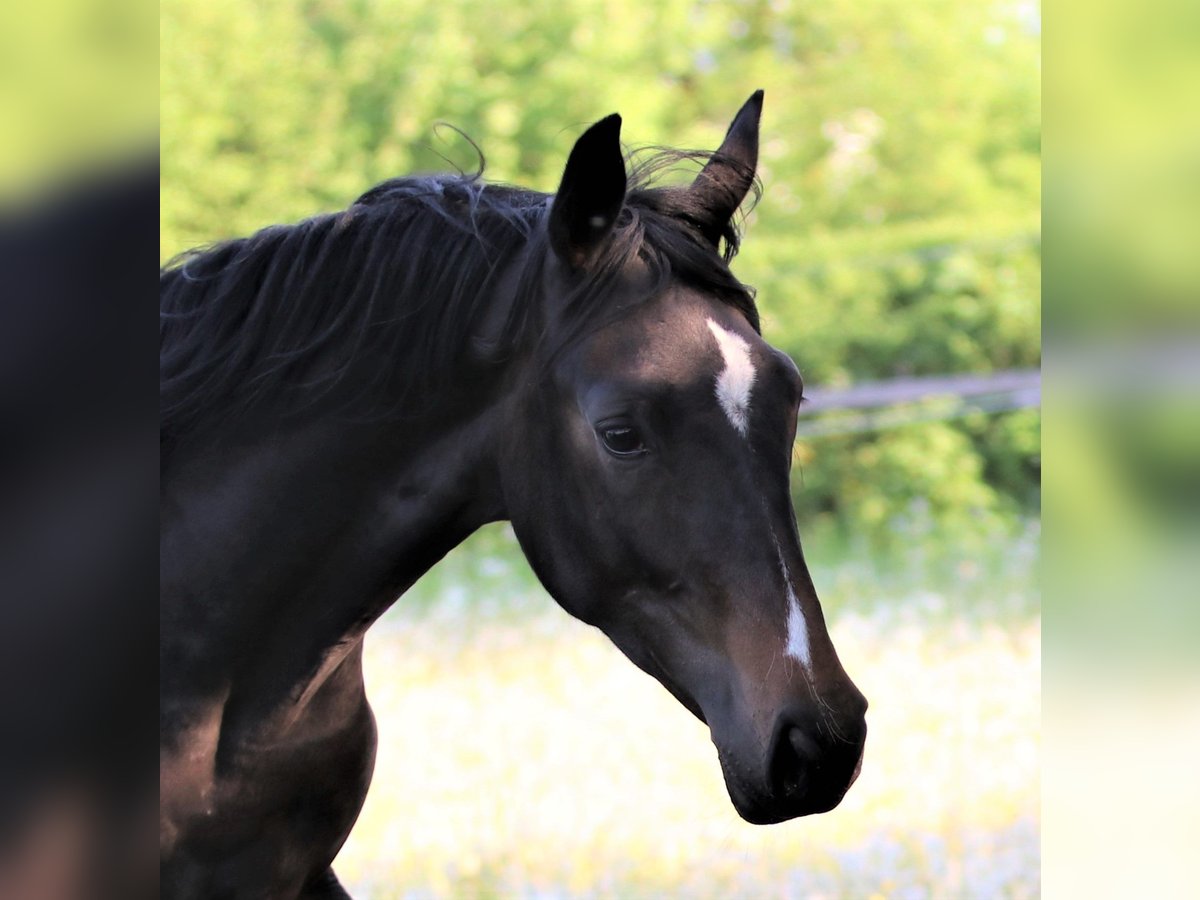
(806, 748)
(793, 761)
(808, 771)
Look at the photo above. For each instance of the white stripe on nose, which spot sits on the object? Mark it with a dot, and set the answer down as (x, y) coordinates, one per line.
(797, 632)
(797, 629)
(736, 380)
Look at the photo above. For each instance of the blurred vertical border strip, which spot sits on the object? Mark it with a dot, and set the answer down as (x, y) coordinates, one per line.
(1122, 443)
(78, 452)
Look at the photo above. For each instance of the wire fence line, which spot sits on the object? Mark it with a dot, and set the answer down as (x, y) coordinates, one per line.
(879, 405)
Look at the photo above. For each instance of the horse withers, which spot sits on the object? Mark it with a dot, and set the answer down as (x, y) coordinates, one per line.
(346, 399)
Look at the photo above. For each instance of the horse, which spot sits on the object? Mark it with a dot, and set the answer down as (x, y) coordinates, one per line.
(346, 399)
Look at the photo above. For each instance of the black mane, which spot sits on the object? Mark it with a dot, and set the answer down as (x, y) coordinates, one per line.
(272, 323)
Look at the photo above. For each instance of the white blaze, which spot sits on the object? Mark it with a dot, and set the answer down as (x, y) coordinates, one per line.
(736, 380)
(797, 628)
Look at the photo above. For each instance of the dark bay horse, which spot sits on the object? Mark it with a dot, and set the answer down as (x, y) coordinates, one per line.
(346, 399)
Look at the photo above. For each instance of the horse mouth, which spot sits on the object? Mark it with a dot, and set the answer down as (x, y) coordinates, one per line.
(857, 767)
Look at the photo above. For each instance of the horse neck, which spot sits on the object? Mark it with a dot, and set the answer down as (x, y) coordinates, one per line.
(293, 542)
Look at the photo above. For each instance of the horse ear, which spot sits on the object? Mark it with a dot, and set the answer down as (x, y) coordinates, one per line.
(723, 183)
(591, 194)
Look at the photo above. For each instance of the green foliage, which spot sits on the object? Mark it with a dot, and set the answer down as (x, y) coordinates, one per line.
(899, 229)
(952, 300)
(871, 481)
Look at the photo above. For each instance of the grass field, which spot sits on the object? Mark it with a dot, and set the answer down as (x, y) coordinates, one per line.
(522, 756)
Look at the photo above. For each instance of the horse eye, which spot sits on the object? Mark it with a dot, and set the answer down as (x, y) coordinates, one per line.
(622, 440)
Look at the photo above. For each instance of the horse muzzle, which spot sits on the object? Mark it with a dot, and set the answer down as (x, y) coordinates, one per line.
(809, 765)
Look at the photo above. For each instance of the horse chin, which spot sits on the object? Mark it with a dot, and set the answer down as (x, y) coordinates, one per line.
(760, 808)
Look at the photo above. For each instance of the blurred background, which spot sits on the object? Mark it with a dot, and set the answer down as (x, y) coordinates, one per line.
(1121, 693)
(896, 252)
(78, 449)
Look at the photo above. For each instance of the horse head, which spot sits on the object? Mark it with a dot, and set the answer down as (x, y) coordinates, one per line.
(645, 468)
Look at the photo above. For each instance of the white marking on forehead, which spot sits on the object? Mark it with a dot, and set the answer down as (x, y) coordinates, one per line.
(797, 629)
(736, 380)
